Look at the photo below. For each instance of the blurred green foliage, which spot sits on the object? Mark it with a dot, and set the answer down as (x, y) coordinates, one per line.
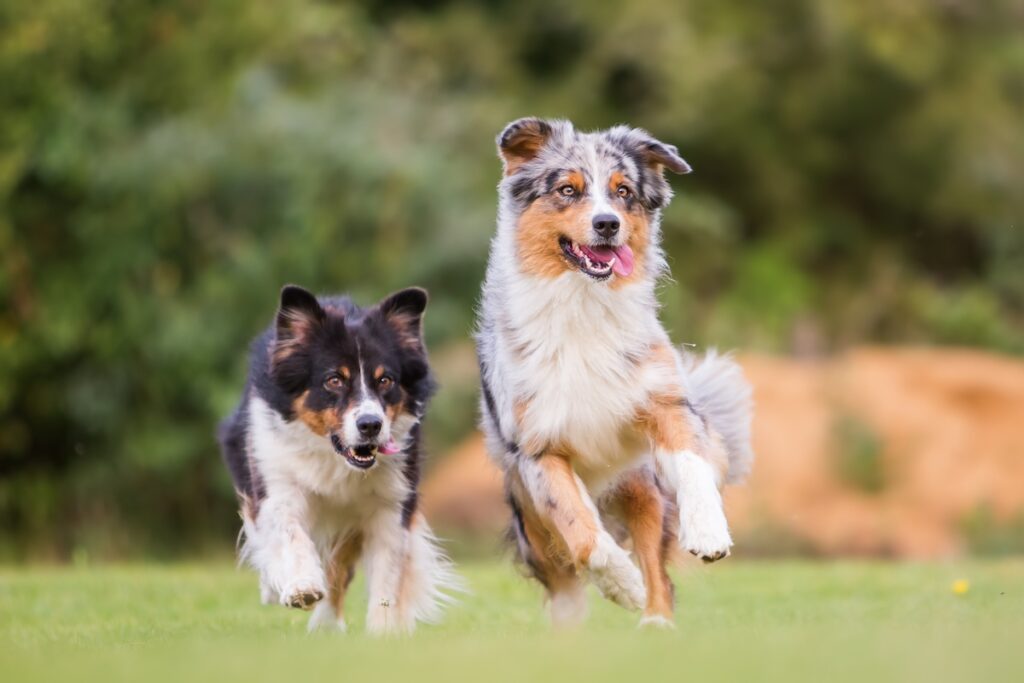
(166, 166)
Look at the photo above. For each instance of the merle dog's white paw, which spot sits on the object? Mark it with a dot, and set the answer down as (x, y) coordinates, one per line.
(656, 622)
(615, 575)
(703, 529)
(302, 594)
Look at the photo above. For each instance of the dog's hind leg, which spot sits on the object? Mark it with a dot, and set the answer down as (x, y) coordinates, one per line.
(562, 505)
(645, 511)
(329, 614)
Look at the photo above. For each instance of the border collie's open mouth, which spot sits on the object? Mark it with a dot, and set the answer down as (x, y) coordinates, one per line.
(598, 261)
(363, 456)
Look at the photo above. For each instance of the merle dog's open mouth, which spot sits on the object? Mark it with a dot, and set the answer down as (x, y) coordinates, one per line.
(598, 261)
(362, 457)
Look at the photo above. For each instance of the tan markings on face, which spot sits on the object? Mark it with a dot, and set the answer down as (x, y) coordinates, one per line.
(540, 227)
(321, 422)
(378, 372)
(638, 501)
(392, 411)
(346, 372)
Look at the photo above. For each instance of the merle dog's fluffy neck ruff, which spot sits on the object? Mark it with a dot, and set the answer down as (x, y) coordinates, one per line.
(324, 453)
(586, 406)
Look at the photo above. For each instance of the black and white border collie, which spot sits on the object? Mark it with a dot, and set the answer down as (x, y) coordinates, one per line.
(324, 451)
(600, 425)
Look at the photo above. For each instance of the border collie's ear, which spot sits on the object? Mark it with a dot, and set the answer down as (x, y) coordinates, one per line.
(404, 311)
(298, 314)
(521, 141)
(660, 153)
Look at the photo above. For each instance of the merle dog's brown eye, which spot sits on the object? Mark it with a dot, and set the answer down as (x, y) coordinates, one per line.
(333, 382)
(567, 190)
(385, 382)
(624, 191)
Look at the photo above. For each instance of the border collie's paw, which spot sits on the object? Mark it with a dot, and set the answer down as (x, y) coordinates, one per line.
(324, 618)
(302, 595)
(704, 531)
(615, 575)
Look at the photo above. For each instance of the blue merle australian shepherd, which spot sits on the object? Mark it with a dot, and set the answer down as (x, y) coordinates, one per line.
(324, 452)
(604, 430)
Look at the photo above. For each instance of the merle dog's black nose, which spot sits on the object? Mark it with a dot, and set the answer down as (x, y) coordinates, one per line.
(369, 425)
(606, 225)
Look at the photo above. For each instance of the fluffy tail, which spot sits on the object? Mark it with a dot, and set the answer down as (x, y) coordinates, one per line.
(719, 393)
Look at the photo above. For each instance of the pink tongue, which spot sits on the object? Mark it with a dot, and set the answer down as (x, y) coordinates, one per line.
(623, 258)
(623, 261)
(389, 448)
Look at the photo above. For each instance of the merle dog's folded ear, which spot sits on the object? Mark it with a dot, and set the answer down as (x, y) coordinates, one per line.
(522, 140)
(298, 314)
(404, 311)
(658, 152)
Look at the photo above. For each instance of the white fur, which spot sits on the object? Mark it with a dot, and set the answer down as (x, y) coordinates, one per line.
(313, 499)
(568, 606)
(703, 529)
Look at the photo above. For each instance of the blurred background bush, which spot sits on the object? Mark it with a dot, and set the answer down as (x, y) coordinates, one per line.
(166, 166)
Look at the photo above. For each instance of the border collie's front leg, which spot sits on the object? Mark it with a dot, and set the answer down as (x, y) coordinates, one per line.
(284, 554)
(560, 500)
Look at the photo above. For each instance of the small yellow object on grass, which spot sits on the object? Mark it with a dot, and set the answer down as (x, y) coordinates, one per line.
(961, 586)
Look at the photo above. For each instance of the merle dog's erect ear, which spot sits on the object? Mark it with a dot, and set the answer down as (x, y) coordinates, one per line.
(404, 311)
(521, 141)
(298, 314)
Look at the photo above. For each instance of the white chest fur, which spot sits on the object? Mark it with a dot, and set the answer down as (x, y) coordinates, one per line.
(572, 350)
(291, 456)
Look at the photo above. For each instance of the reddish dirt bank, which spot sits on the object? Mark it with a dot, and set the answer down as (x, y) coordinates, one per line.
(875, 452)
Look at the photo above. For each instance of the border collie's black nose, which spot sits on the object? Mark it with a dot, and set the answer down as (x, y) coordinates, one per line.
(369, 425)
(606, 225)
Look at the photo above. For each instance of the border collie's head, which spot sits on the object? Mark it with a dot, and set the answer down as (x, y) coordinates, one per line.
(584, 202)
(358, 377)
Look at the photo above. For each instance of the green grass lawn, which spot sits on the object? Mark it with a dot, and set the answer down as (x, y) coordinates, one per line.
(761, 620)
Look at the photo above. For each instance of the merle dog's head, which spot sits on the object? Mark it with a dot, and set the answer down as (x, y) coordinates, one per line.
(358, 377)
(584, 202)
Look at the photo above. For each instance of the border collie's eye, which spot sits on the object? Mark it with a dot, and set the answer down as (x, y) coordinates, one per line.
(332, 383)
(385, 382)
(567, 190)
(624, 192)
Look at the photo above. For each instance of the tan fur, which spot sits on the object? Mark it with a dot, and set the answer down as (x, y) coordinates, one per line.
(321, 422)
(541, 225)
(342, 569)
(641, 506)
(548, 218)
(564, 514)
